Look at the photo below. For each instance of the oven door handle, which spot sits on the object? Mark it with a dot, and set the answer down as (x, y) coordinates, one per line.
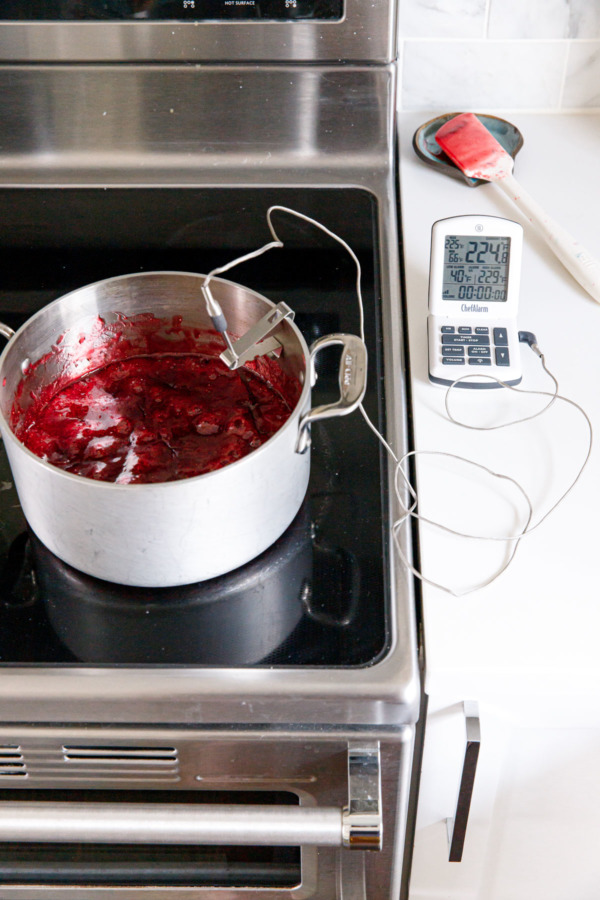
(358, 825)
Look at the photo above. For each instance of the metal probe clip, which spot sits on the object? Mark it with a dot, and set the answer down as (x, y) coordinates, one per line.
(256, 341)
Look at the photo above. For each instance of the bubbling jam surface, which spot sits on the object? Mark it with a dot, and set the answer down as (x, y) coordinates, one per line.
(157, 417)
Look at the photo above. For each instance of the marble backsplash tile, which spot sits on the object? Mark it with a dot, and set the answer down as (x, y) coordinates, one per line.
(478, 74)
(443, 18)
(494, 54)
(582, 77)
(528, 19)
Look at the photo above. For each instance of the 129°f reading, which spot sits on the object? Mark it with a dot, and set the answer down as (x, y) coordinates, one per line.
(475, 268)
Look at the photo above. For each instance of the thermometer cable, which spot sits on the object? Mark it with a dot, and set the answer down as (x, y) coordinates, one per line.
(405, 492)
(404, 487)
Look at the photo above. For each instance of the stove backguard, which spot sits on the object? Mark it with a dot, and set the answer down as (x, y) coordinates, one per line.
(190, 30)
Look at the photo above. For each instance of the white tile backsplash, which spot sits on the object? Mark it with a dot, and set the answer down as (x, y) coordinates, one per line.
(544, 19)
(482, 75)
(443, 18)
(584, 19)
(582, 77)
(499, 54)
(524, 19)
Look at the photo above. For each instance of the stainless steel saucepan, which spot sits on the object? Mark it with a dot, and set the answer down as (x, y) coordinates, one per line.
(176, 532)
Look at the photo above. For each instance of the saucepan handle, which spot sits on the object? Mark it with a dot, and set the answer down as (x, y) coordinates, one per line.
(352, 382)
(6, 331)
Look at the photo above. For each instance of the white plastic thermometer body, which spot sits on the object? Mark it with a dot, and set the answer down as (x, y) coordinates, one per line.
(473, 301)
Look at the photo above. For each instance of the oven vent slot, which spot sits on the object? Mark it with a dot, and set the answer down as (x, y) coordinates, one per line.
(143, 756)
(135, 765)
(112, 762)
(12, 764)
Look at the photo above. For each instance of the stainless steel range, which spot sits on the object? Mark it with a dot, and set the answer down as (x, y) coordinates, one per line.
(251, 735)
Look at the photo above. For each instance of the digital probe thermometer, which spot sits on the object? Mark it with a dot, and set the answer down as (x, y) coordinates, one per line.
(474, 279)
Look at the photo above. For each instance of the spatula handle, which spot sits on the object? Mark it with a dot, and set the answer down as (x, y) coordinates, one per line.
(576, 259)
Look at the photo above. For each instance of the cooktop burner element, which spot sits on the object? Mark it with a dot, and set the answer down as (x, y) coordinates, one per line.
(318, 596)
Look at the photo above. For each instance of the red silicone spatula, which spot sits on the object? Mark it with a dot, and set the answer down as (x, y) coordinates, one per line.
(478, 154)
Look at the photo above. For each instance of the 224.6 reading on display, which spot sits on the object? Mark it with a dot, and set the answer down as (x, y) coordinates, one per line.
(476, 269)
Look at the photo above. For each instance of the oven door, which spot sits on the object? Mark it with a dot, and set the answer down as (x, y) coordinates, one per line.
(196, 816)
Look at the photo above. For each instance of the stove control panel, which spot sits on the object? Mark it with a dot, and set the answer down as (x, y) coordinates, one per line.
(174, 10)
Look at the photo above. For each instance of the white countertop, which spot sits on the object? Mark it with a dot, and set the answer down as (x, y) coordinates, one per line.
(536, 629)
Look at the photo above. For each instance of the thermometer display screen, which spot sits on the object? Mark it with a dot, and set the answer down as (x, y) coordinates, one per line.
(476, 268)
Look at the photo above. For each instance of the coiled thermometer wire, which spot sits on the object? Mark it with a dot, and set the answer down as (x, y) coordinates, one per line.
(406, 493)
(404, 486)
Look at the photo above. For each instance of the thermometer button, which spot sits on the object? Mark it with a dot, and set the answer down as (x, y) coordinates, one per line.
(465, 339)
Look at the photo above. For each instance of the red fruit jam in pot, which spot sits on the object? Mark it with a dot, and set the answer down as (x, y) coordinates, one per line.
(173, 412)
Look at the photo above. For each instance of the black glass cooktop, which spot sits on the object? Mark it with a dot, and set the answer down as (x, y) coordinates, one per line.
(319, 596)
